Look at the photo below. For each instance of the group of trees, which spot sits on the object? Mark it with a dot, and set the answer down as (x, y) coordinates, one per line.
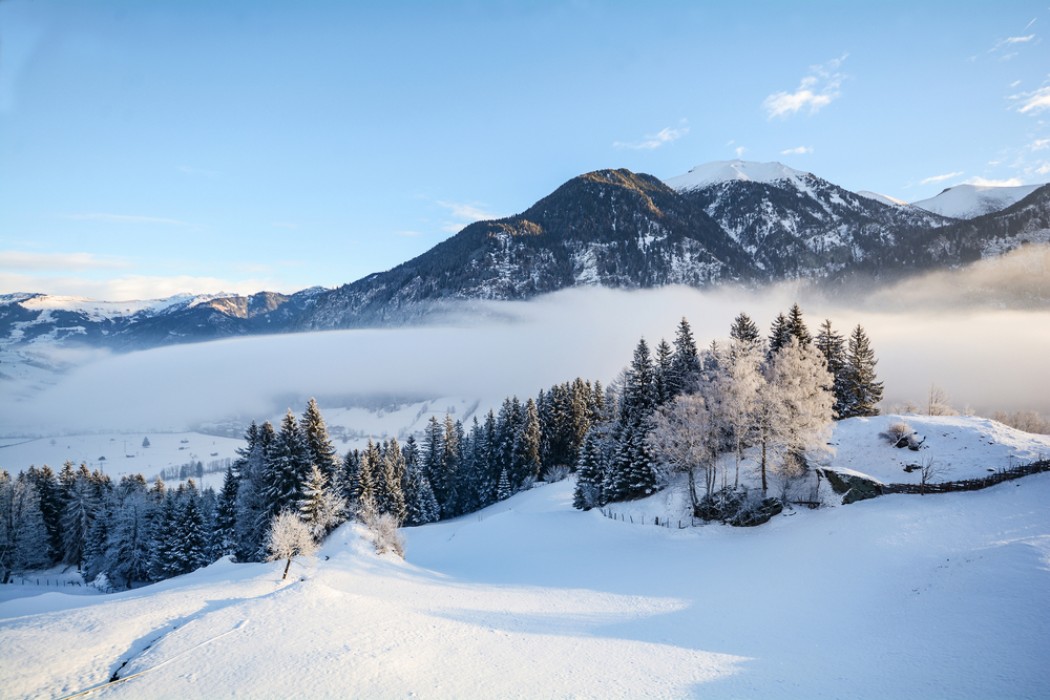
(672, 410)
(682, 411)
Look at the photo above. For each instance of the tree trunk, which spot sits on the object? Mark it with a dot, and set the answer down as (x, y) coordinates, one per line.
(286, 567)
(765, 486)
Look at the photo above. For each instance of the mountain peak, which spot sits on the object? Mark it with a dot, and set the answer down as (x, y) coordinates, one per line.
(968, 201)
(736, 171)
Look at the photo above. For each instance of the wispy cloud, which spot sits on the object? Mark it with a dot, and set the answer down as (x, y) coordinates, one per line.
(22, 260)
(1018, 39)
(1039, 145)
(815, 91)
(124, 219)
(653, 141)
(199, 172)
(1033, 102)
(940, 178)
(985, 182)
(463, 214)
(797, 151)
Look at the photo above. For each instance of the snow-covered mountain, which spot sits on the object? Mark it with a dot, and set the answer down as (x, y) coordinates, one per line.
(731, 222)
(794, 224)
(970, 201)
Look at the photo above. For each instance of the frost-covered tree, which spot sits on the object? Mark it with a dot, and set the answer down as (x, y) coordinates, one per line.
(253, 513)
(47, 488)
(832, 347)
(590, 475)
(503, 490)
(530, 438)
(733, 395)
(128, 550)
(684, 440)
(862, 391)
(23, 536)
(78, 514)
(802, 406)
(288, 537)
(420, 505)
(321, 508)
(224, 534)
(319, 448)
(287, 467)
(393, 467)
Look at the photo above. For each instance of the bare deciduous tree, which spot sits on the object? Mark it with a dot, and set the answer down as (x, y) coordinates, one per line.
(289, 537)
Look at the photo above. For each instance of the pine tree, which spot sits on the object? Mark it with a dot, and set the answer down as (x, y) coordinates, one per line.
(420, 505)
(128, 550)
(832, 347)
(287, 468)
(165, 557)
(318, 444)
(78, 514)
(503, 489)
(320, 508)
(744, 329)
(665, 385)
(432, 454)
(530, 442)
(192, 542)
(863, 391)
(796, 326)
(47, 488)
(778, 335)
(367, 497)
(685, 363)
(23, 535)
(253, 511)
(590, 476)
(224, 537)
(393, 481)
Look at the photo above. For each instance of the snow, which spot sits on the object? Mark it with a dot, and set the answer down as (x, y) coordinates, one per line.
(737, 170)
(902, 596)
(882, 198)
(963, 447)
(969, 201)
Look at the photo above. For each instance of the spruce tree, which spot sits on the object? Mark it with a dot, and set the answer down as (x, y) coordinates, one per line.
(778, 335)
(530, 442)
(796, 326)
(224, 536)
(318, 444)
(832, 347)
(393, 479)
(685, 363)
(665, 384)
(590, 476)
(863, 391)
(744, 330)
(287, 468)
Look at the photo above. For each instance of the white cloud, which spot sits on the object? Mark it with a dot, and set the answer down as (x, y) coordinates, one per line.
(1043, 169)
(740, 151)
(940, 178)
(1018, 39)
(985, 182)
(653, 141)
(815, 91)
(124, 219)
(134, 287)
(797, 151)
(1033, 102)
(1039, 145)
(22, 260)
(463, 214)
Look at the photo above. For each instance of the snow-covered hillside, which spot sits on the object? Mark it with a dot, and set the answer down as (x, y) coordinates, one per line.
(969, 201)
(902, 597)
(737, 171)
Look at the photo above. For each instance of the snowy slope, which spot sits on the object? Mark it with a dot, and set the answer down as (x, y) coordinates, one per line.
(737, 171)
(883, 198)
(969, 201)
(886, 598)
(962, 447)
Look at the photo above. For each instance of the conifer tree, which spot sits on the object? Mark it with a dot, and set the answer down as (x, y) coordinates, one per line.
(744, 330)
(590, 476)
(320, 450)
(665, 384)
(47, 488)
(253, 512)
(23, 536)
(832, 347)
(796, 326)
(393, 480)
(287, 468)
(862, 391)
(530, 442)
(503, 490)
(420, 505)
(192, 541)
(685, 363)
(321, 509)
(224, 536)
(78, 514)
(778, 335)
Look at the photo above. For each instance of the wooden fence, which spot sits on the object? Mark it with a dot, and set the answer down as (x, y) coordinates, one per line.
(642, 520)
(971, 484)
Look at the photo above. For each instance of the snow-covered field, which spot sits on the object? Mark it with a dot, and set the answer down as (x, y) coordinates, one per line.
(902, 597)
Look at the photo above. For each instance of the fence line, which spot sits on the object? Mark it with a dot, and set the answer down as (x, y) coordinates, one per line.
(656, 520)
(971, 484)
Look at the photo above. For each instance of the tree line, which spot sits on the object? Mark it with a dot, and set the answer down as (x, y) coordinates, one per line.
(670, 411)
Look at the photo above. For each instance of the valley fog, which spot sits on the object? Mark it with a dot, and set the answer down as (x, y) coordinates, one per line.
(983, 358)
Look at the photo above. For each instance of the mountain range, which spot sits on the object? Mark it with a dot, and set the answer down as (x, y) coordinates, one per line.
(725, 223)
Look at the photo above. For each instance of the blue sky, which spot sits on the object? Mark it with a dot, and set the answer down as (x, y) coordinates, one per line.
(151, 148)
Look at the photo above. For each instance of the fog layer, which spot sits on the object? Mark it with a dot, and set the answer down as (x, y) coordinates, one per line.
(981, 357)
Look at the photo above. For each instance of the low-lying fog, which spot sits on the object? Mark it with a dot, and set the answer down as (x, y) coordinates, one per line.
(982, 357)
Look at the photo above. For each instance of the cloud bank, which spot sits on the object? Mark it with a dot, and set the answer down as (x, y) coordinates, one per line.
(926, 331)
